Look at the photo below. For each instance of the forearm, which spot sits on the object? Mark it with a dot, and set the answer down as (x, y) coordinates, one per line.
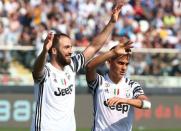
(134, 102)
(100, 59)
(91, 66)
(40, 63)
(139, 103)
(101, 38)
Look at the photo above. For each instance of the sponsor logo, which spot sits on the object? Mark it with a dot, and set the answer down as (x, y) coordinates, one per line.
(119, 107)
(63, 92)
(107, 85)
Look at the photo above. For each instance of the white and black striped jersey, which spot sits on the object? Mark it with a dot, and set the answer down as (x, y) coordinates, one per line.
(55, 97)
(113, 118)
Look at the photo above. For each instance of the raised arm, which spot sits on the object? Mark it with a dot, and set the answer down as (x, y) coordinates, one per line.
(101, 38)
(38, 69)
(118, 50)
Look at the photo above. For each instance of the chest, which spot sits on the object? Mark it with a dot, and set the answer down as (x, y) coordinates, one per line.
(109, 90)
(61, 79)
(61, 83)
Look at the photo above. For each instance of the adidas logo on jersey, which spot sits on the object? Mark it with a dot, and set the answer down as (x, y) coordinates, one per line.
(119, 107)
(63, 92)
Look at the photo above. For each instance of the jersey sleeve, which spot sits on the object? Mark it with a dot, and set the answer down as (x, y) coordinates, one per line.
(93, 85)
(41, 78)
(78, 62)
(137, 90)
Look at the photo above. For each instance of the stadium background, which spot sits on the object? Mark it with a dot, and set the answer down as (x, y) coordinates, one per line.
(153, 25)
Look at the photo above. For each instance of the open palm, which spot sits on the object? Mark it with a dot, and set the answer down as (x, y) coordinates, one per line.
(116, 11)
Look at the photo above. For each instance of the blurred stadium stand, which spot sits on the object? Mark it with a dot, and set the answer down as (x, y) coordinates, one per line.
(153, 25)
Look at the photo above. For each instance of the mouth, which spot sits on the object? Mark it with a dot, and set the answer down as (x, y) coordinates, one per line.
(122, 73)
(68, 56)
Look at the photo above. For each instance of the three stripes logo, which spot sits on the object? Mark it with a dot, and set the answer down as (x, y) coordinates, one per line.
(116, 92)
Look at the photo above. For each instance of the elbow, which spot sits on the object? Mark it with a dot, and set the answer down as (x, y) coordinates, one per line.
(88, 67)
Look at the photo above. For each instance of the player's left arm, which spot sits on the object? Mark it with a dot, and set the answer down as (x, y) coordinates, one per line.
(141, 102)
(102, 37)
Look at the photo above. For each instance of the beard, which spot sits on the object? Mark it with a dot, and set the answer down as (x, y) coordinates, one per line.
(61, 59)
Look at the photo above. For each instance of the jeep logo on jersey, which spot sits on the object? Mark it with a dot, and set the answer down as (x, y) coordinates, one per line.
(63, 92)
(119, 107)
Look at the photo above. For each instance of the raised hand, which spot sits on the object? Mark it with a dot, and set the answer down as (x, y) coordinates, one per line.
(124, 47)
(48, 41)
(117, 10)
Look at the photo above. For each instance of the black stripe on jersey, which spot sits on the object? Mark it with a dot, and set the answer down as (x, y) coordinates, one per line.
(71, 67)
(82, 60)
(48, 70)
(78, 61)
(137, 88)
(126, 80)
(75, 62)
(131, 82)
(95, 108)
(139, 95)
(38, 107)
(94, 84)
(100, 80)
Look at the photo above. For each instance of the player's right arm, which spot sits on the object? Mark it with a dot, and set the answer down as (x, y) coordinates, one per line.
(38, 69)
(120, 49)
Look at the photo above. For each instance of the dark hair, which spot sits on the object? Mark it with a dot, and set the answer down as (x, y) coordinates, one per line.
(56, 38)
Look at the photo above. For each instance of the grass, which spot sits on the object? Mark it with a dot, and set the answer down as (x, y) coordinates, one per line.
(86, 129)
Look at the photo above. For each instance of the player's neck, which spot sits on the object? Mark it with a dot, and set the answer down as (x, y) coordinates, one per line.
(57, 65)
(114, 78)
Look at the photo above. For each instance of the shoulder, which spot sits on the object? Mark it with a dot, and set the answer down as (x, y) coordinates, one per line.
(77, 62)
(131, 83)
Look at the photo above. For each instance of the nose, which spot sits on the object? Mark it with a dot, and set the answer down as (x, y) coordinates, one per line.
(70, 51)
(124, 67)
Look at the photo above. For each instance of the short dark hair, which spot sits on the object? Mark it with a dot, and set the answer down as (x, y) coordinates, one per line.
(56, 38)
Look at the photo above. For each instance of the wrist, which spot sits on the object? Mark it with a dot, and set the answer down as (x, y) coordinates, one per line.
(112, 21)
(44, 51)
(113, 54)
(126, 101)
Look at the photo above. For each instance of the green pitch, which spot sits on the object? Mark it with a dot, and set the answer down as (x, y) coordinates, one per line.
(84, 129)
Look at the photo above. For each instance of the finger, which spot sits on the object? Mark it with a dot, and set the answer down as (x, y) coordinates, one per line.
(129, 46)
(119, 5)
(116, 99)
(128, 43)
(114, 11)
(50, 36)
(110, 101)
(113, 101)
(117, 102)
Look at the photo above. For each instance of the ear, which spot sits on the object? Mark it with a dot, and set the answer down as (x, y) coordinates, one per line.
(108, 61)
(108, 64)
(54, 51)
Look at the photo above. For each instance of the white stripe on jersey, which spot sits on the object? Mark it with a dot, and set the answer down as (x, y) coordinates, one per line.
(114, 118)
(55, 97)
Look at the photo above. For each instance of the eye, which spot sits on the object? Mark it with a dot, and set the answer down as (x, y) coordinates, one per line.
(121, 63)
(66, 47)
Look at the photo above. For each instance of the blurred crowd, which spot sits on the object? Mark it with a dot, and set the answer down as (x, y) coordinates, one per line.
(148, 23)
